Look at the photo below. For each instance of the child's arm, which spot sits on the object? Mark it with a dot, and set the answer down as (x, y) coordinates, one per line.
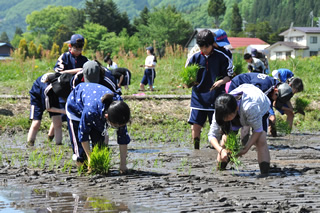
(56, 110)
(73, 71)
(218, 83)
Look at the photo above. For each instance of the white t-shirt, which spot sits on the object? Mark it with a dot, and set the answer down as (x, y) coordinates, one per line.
(150, 61)
(113, 66)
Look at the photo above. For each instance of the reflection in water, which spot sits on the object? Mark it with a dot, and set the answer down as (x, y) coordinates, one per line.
(14, 199)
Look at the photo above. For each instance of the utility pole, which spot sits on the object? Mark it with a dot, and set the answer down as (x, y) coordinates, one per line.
(311, 16)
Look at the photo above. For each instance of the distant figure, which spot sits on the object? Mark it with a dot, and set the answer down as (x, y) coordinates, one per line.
(259, 55)
(123, 77)
(149, 72)
(110, 64)
(254, 64)
(282, 74)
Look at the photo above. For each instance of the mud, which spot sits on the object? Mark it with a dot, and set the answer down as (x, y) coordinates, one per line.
(164, 177)
(170, 177)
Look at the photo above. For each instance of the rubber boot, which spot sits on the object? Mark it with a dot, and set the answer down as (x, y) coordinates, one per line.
(30, 143)
(196, 143)
(50, 138)
(264, 168)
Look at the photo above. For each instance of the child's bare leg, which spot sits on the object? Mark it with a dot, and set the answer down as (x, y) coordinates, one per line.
(32, 134)
(290, 117)
(51, 132)
(123, 157)
(263, 153)
(141, 87)
(57, 124)
(195, 131)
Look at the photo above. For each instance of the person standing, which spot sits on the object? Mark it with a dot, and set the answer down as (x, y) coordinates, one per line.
(215, 69)
(149, 72)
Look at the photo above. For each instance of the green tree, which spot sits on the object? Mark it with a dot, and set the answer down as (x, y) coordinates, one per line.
(94, 34)
(23, 48)
(106, 13)
(143, 17)
(54, 53)
(216, 8)
(32, 50)
(39, 51)
(49, 20)
(62, 34)
(263, 30)
(18, 31)
(165, 25)
(4, 38)
(236, 20)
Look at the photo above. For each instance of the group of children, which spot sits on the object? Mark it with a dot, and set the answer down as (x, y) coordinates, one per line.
(89, 95)
(231, 103)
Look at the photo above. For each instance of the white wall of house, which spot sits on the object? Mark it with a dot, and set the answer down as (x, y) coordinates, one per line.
(281, 52)
(297, 37)
(313, 44)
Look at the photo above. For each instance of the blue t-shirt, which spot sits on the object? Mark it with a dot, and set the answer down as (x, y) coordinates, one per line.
(285, 74)
(215, 66)
(67, 61)
(84, 105)
(264, 82)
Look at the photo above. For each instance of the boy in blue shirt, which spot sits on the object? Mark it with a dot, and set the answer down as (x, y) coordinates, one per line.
(214, 64)
(72, 61)
(282, 74)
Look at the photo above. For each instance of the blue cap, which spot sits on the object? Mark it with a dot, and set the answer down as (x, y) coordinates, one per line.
(221, 38)
(75, 38)
(254, 52)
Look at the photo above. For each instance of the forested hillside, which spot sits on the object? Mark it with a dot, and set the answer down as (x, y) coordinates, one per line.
(279, 13)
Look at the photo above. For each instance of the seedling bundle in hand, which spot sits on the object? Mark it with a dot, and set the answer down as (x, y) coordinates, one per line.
(189, 75)
(233, 146)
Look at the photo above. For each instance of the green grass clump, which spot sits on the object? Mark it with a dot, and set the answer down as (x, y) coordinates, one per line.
(233, 146)
(301, 104)
(282, 126)
(100, 160)
(189, 75)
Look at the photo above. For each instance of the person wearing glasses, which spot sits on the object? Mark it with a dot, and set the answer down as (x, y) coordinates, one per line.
(73, 60)
(91, 109)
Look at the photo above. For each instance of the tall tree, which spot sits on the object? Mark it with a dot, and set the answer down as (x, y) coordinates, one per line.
(4, 38)
(236, 20)
(216, 8)
(106, 13)
(18, 31)
(143, 17)
(165, 25)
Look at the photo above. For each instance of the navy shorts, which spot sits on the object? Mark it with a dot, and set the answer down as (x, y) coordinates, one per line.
(200, 116)
(265, 122)
(148, 77)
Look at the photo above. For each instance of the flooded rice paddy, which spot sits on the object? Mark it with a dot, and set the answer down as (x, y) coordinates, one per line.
(164, 177)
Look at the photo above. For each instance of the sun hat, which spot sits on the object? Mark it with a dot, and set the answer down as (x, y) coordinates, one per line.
(284, 94)
(221, 38)
(91, 72)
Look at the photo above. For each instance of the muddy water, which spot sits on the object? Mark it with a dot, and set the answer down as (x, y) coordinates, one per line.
(167, 177)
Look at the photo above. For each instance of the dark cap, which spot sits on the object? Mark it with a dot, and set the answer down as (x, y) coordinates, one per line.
(150, 49)
(221, 38)
(284, 94)
(91, 72)
(254, 52)
(76, 38)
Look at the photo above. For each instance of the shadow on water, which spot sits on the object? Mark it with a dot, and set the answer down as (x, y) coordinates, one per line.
(274, 172)
(14, 200)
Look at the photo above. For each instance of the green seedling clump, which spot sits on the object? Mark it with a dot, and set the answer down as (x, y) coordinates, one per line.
(233, 146)
(100, 160)
(189, 75)
(301, 104)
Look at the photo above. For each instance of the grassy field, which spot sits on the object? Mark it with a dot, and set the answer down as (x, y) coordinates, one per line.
(17, 76)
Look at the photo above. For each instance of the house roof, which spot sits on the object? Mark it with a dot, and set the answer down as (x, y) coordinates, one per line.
(236, 42)
(292, 45)
(5, 44)
(302, 29)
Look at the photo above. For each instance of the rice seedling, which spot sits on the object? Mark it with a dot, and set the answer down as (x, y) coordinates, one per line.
(100, 160)
(189, 75)
(233, 146)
